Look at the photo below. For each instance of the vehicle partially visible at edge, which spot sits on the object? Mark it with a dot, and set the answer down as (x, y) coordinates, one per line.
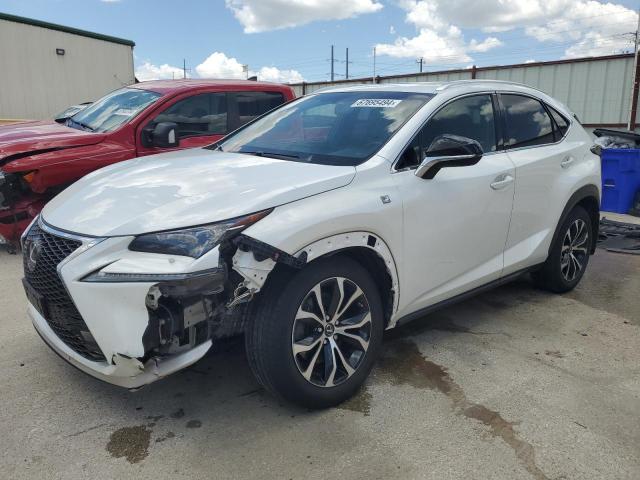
(40, 159)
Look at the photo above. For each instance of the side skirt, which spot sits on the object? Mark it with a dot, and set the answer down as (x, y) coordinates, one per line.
(464, 296)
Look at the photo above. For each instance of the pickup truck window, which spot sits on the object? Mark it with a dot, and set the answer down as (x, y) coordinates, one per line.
(203, 114)
(113, 110)
(254, 104)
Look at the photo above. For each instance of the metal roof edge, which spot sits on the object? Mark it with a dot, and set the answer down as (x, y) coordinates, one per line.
(61, 28)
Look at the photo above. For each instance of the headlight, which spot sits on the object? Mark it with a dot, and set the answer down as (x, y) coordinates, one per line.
(196, 241)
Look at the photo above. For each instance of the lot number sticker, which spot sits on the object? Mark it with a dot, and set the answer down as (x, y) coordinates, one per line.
(376, 103)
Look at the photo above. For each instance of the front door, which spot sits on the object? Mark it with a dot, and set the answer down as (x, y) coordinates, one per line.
(201, 120)
(455, 224)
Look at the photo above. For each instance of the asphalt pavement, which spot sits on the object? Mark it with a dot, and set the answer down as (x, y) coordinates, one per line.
(513, 384)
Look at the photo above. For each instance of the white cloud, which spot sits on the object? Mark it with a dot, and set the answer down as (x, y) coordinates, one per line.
(485, 45)
(597, 28)
(273, 74)
(593, 27)
(432, 46)
(392, 30)
(218, 65)
(264, 15)
(437, 40)
(149, 71)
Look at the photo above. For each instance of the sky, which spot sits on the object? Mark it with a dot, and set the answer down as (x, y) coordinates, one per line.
(290, 40)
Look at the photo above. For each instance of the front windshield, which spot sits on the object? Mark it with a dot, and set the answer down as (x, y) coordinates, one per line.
(344, 128)
(112, 110)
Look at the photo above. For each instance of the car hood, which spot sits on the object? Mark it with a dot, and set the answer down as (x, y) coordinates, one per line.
(183, 189)
(29, 138)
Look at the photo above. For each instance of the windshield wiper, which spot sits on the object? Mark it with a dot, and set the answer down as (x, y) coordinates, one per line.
(84, 126)
(271, 154)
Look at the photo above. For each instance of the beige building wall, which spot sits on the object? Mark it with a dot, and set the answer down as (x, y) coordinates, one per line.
(37, 83)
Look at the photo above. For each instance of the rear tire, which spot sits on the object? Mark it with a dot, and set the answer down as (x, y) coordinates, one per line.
(569, 254)
(303, 358)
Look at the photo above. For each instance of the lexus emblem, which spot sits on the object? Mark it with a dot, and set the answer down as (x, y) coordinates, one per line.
(33, 252)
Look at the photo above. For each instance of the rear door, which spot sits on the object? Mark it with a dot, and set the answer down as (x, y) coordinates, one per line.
(545, 162)
(246, 106)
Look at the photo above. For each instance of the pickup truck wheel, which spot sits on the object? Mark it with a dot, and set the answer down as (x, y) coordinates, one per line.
(313, 337)
(569, 255)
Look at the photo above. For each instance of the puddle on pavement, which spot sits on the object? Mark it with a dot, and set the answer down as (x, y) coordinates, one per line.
(403, 364)
(130, 442)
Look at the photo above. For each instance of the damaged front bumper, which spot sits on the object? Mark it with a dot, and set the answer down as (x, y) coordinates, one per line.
(123, 371)
(132, 328)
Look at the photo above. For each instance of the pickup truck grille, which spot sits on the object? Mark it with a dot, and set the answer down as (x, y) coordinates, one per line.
(62, 315)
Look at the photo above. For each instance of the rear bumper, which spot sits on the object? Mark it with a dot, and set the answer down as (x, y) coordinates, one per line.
(125, 372)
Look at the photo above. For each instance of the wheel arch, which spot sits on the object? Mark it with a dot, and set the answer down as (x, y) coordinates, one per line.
(587, 197)
(370, 251)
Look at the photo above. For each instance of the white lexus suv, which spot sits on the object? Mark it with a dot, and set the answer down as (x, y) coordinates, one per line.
(311, 230)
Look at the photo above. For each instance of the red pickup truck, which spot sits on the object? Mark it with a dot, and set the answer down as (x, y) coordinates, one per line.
(39, 159)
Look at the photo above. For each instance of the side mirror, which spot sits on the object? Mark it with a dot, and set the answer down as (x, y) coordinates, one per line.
(449, 151)
(163, 135)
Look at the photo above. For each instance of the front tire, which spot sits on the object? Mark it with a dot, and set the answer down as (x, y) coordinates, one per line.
(569, 254)
(313, 336)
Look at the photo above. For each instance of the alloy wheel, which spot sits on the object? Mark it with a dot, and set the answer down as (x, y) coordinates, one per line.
(573, 256)
(331, 332)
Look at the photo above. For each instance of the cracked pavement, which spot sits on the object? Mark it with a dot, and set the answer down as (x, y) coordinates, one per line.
(513, 384)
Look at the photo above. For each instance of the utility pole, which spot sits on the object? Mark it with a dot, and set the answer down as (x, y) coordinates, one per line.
(420, 60)
(346, 63)
(374, 65)
(332, 60)
(184, 68)
(631, 125)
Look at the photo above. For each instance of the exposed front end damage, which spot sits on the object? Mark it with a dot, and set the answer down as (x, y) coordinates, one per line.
(186, 312)
(163, 321)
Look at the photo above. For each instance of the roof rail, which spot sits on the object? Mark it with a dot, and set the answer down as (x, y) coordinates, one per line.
(455, 83)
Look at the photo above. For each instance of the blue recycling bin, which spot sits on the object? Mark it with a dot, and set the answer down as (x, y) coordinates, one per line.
(620, 178)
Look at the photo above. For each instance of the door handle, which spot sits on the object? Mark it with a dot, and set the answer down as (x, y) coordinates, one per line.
(567, 161)
(502, 181)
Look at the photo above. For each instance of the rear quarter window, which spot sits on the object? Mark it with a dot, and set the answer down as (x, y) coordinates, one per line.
(561, 123)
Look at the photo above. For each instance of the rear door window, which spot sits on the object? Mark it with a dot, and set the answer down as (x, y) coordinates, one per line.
(527, 122)
(203, 114)
(251, 105)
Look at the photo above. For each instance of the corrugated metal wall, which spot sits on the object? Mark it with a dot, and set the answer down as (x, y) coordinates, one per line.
(598, 89)
(35, 83)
